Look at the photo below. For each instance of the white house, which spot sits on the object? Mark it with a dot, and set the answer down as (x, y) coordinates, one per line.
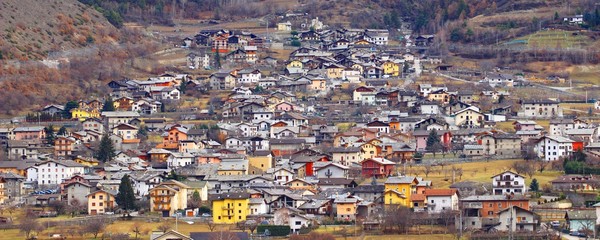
(577, 19)
(508, 182)
(522, 220)
(177, 159)
(430, 108)
(249, 76)
(331, 170)
(53, 171)
(540, 109)
(552, 148)
(258, 206)
(283, 175)
(126, 132)
(441, 200)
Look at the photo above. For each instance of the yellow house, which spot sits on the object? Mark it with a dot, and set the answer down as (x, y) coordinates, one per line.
(346, 209)
(440, 96)
(100, 202)
(168, 197)
(2, 190)
(262, 161)
(370, 150)
(82, 114)
(335, 71)
(399, 189)
(230, 208)
(318, 84)
(391, 68)
(358, 67)
(88, 162)
(295, 64)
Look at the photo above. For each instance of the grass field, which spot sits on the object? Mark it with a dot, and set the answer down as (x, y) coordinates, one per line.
(508, 125)
(476, 171)
(553, 39)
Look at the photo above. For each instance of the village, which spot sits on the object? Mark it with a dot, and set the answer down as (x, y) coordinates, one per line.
(354, 129)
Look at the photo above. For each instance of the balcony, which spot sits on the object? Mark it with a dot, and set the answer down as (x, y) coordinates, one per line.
(476, 205)
(155, 194)
(527, 222)
(227, 207)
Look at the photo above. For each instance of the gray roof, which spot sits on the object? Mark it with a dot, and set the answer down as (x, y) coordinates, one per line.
(493, 198)
(404, 179)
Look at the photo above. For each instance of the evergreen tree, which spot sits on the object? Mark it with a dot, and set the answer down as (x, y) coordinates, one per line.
(556, 17)
(162, 107)
(109, 105)
(70, 105)
(50, 136)
(183, 86)
(125, 198)
(217, 58)
(534, 185)
(62, 131)
(106, 151)
(432, 139)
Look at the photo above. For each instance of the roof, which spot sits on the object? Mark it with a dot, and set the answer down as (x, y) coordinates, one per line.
(581, 214)
(515, 197)
(229, 195)
(400, 180)
(508, 171)
(120, 114)
(440, 192)
(417, 197)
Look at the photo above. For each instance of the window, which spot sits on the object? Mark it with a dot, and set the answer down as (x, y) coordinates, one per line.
(93, 196)
(101, 204)
(499, 205)
(93, 204)
(490, 213)
(347, 209)
(100, 197)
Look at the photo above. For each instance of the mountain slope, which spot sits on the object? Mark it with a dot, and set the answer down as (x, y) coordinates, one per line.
(30, 29)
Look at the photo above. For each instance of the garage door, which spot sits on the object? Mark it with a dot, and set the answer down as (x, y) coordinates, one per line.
(94, 212)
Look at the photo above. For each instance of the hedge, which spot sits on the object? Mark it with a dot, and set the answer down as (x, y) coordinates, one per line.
(274, 230)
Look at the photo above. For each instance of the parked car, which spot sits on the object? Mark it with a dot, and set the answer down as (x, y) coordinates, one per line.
(555, 224)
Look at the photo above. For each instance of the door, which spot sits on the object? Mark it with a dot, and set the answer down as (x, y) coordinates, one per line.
(165, 213)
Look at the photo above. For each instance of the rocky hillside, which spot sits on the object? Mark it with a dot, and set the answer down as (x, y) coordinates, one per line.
(30, 29)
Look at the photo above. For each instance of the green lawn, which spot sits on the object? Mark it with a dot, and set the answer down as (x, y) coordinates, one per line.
(553, 39)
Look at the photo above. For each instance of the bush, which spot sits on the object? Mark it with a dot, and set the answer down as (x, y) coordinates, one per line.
(274, 230)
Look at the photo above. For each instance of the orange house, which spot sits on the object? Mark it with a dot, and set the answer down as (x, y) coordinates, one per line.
(577, 146)
(488, 206)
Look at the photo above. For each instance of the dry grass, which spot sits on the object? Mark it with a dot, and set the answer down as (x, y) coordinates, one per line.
(476, 171)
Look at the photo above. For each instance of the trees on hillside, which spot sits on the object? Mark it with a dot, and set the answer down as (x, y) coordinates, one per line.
(109, 105)
(49, 130)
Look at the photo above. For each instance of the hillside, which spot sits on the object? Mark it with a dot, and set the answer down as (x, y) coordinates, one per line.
(30, 29)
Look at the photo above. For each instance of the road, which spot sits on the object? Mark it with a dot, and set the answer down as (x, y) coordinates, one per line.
(562, 235)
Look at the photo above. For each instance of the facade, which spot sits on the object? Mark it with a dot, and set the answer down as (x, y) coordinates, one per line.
(398, 190)
(168, 197)
(508, 182)
(552, 148)
(483, 211)
(230, 208)
(53, 171)
(100, 202)
(441, 200)
(540, 109)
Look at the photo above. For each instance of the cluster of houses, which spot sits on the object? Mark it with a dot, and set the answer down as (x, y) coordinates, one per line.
(289, 147)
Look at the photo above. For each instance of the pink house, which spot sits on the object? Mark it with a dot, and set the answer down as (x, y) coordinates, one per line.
(524, 125)
(285, 107)
(421, 139)
(28, 133)
(208, 158)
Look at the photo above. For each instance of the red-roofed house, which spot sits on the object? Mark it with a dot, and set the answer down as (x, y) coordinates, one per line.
(440, 200)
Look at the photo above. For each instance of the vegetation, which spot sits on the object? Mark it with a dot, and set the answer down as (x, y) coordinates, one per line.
(126, 197)
(274, 230)
(106, 150)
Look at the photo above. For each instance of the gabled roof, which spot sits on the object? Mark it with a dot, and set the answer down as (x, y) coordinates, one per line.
(401, 180)
(440, 192)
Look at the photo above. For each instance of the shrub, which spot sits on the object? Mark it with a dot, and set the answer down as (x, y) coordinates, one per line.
(274, 230)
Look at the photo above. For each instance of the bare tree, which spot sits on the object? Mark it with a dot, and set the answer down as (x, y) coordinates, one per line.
(223, 235)
(211, 225)
(427, 169)
(29, 226)
(252, 225)
(399, 218)
(241, 226)
(542, 164)
(137, 229)
(164, 227)
(95, 226)
(119, 236)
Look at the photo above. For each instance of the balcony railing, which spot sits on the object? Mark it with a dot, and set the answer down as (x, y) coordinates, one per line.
(227, 207)
(472, 205)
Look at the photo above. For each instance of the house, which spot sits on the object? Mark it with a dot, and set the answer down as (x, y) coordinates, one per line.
(377, 167)
(581, 220)
(346, 155)
(53, 109)
(53, 171)
(575, 19)
(505, 145)
(331, 170)
(113, 119)
(559, 127)
(508, 182)
(292, 217)
(574, 182)
(346, 208)
(441, 200)
(322, 207)
(229, 208)
(93, 124)
(517, 219)
(540, 109)
(63, 146)
(127, 132)
(421, 139)
(552, 148)
(77, 193)
(174, 235)
(284, 26)
(483, 211)
(258, 206)
(168, 197)
(28, 133)
(398, 190)
(100, 202)
(469, 118)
